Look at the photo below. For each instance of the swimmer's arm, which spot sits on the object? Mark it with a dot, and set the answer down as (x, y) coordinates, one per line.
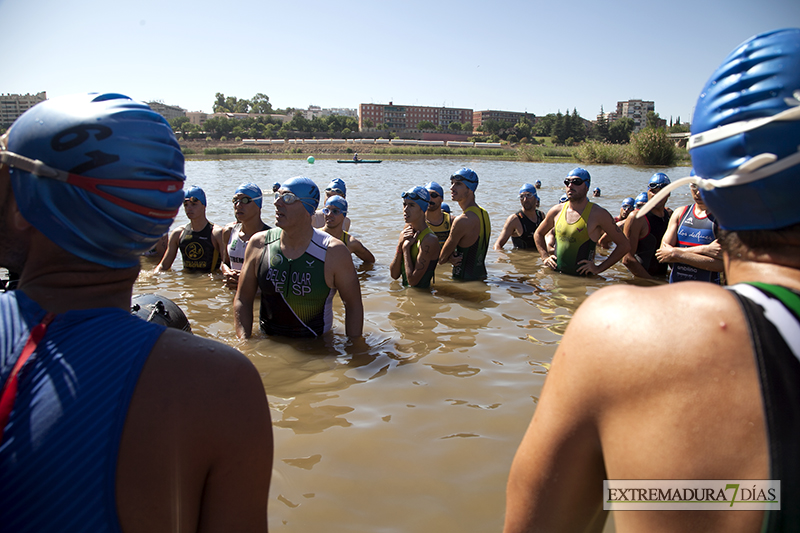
(513, 226)
(633, 229)
(689, 256)
(247, 288)
(607, 224)
(547, 224)
(428, 252)
(555, 483)
(344, 279)
(172, 251)
(360, 250)
(216, 239)
(394, 267)
(461, 227)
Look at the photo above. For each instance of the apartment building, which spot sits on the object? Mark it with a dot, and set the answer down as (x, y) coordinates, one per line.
(316, 111)
(167, 111)
(635, 110)
(512, 117)
(402, 117)
(13, 105)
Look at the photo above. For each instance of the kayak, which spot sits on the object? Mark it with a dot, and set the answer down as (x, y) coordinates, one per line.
(359, 161)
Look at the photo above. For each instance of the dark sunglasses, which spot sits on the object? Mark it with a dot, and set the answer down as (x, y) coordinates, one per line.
(573, 181)
(656, 186)
(191, 201)
(435, 195)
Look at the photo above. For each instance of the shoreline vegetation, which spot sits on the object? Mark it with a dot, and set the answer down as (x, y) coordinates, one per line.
(646, 148)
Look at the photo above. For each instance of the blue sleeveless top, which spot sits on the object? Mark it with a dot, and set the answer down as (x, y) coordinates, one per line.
(58, 458)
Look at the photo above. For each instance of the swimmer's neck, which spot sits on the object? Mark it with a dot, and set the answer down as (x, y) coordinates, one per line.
(776, 270)
(334, 231)
(59, 281)
(199, 224)
(430, 214)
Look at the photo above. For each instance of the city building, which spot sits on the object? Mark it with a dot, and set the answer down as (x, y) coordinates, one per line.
(13, 105)
(167, 111)
(512, 117)
(635, 110)
(403, 118)
(316, 111)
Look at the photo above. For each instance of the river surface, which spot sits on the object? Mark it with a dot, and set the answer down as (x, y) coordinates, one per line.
(416, 432)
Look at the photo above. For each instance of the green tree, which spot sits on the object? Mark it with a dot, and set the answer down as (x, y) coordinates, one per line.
(601, 128)
(455, 126)
(559, 131)
(177, 122)
(544, 125)
(369, 123)
(425, 125)
(260, 104)
(653, 120)
(619, 132)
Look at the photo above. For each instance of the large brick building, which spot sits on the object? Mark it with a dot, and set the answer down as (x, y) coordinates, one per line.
(402, 117)
(512, 117)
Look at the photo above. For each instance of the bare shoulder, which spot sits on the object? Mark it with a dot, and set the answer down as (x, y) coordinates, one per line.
(621, 331)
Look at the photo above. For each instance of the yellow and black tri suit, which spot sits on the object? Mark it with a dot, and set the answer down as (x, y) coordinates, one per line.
(427, 278)
(442, 231)
(197, 249)
(573, 243)
(473, 258)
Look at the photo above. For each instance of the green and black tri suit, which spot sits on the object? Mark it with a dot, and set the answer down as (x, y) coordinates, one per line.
(473, 262)
(197, 249)
(295, 299)
(573, 243)
(427, 278)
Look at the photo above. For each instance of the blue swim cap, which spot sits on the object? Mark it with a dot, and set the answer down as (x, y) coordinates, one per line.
(529, 188)
(582, 174)
(659, 178)
(641, 199)
(435, 187)
(305, 190)
(338, 202)
(419, 195)
(628, 202)
(338, 185)
(195, 191)
(276, 186)
(747, 114)
(251, 190)
(445, 208)
(538, 183)
(115, 177)
(468, 176)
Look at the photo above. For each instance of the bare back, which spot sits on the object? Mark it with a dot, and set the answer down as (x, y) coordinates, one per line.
(637, 392)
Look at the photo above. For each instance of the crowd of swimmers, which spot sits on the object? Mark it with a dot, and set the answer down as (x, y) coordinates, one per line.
(296, 301)
(109, 422)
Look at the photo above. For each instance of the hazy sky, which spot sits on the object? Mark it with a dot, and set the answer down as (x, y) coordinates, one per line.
(515, 56)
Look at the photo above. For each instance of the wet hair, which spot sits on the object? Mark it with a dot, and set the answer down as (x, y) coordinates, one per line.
(783, 241)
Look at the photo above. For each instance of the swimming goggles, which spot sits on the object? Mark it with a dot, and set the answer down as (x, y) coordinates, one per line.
(331, 211)
(91, 185)
(573, 181)
(527, 195)
(414, 196)
(244, 200)
(289, 198)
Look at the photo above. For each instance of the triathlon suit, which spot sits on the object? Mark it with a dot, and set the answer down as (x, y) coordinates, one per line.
(197, 249)
(442, 231)
(573, 243)
(773, 317)
(236, 246)
(427, 278)
(525, 241)
(647, 246)
(693, 230)
(295, 299)
(58, 458)
(473, 258)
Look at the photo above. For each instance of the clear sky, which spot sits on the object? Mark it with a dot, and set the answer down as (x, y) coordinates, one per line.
(532, 56)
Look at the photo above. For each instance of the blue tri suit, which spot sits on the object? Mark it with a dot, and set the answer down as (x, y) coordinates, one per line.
(58, 458)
